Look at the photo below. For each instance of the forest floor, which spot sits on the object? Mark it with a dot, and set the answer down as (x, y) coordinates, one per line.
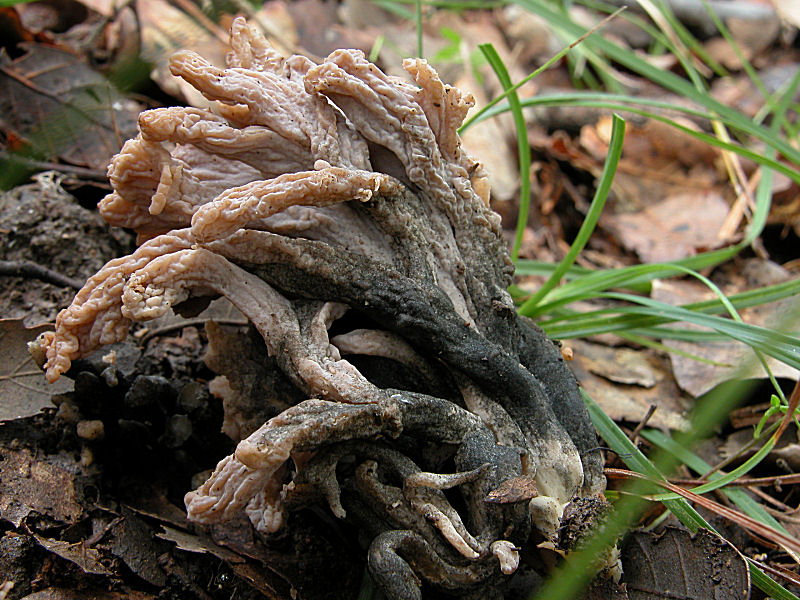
(93, 469)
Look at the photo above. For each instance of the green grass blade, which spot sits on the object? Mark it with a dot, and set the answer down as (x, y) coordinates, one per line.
(739, 497)
(535, 267)
(635, 460)
(552, 61)
(690, 41)
(590, 221)
(574, 99)
(599, 321)
(664, 78)
(737, 50)
(780, 346)
(767, 585)
(523, 147)
(626, 277)
(731, 476)
(647, 342)
(592, 99)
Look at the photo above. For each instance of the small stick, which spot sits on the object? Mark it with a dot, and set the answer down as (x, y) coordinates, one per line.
(650, 410)
(32, 270)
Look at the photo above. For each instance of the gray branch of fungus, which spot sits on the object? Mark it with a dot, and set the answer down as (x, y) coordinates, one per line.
(333, 193)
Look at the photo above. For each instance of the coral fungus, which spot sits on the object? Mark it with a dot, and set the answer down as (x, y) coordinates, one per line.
(334, 196)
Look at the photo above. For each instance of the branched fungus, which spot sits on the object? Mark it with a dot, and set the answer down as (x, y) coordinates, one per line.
(318, 195)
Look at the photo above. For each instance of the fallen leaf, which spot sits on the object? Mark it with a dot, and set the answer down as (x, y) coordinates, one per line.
(697, 377)
(86, 557)
(318, 29)
(658, 162)
(54, 593)
(165, 29)
(677, 564)
(134, 545)
(51, 16)
(620, 365)
(23, 389)
(63, 108)
(516, 489)
(532, 36)
(603, 588)
(752, 36)
(672, 229)
(629, 402)
(200, 544)
(43, 485)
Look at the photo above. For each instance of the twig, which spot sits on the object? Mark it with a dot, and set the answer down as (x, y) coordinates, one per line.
(788, 575)
(747, 481)
(32, 270)
(189, 323)
(86, 173)
(650, 410)
(770, 500)
(780, 514)
(755, 527)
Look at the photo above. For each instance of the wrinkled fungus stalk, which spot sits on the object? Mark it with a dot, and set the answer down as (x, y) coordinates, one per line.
(333, 193)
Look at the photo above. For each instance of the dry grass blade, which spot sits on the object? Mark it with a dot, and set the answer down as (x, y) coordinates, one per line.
(790, 479)
(794, 401)
(779, 572)
(786, 542)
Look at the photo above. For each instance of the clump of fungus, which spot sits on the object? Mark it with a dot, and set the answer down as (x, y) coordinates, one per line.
(317, 194)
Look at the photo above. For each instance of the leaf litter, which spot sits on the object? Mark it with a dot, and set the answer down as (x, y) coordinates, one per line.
(670, 198)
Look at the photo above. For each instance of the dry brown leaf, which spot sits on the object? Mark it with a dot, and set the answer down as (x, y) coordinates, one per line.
(52, 99)
(86, 557)
(43, 485)
(23, 388)
(629, 402)
(51, 16)
(319, 31)
(752, 36)
(658, 162)
(619, 365)
(695, 377)
(131, 541)
(516, 489)
(531, 36)
(677, 564)
(672, 229)
(200, 544)
(165, 29)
